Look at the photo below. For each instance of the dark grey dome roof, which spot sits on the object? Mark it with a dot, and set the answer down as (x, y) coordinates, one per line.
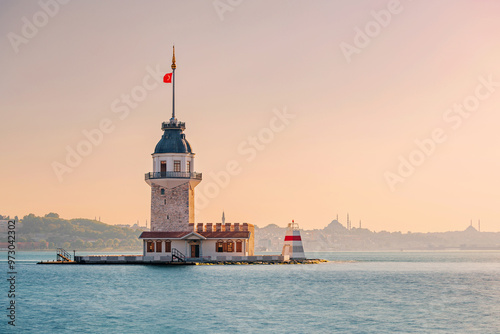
(173, 140)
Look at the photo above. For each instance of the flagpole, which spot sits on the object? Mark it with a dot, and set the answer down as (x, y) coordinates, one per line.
(173, 85)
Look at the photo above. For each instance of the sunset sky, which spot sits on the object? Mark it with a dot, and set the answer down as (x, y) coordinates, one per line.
(392, 109)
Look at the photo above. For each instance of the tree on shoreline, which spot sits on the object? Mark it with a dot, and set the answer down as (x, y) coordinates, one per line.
(79, 233)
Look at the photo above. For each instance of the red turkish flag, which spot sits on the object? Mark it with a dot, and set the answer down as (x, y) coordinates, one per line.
(167, 78)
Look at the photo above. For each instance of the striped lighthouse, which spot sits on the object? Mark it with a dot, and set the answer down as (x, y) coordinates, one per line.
(293, 243)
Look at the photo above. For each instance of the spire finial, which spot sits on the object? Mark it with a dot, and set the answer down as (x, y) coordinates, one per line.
(173, 58)
(173, 120)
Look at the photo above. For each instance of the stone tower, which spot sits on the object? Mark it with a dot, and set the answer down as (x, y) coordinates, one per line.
(173, 178)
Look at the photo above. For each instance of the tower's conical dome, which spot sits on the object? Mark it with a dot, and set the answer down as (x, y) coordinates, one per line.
(173, 140)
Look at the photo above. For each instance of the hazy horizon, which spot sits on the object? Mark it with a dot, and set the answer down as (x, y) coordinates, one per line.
(340, 221)
(385, 110)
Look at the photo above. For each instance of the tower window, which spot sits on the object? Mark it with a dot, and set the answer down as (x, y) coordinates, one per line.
(165, 201)
(163, 191)
(188, 167)
(177, 166)
(163, 168)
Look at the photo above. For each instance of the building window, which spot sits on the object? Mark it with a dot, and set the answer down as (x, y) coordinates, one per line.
(168, 246)
(177, 166)
(163, 168)
(165, 201)
(158, 246)
(230, 246)
(150, 247)
(239, 246)
(188, 167)
(162, 191)
(219, 246)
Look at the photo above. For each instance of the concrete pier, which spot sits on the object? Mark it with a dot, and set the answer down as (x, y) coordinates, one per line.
(167, 260)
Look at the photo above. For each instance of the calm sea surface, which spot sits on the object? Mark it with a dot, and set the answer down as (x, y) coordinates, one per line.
(360, 292)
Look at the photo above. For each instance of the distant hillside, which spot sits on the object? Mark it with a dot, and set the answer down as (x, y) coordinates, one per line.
(336, 237)
(52, 231)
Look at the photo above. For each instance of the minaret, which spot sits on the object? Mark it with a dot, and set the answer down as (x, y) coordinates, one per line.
(223, 218)
(173, 178)
(479, 225)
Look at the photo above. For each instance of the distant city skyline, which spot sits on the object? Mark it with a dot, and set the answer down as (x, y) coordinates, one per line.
(383, 110)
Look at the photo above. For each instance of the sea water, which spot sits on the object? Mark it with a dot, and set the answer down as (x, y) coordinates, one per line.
(358, 292)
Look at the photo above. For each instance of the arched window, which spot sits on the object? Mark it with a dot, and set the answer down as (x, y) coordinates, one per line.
(150, 247)
(230, 246)
(239, 246)
(219, 246)
(158, 246)
(168, 246)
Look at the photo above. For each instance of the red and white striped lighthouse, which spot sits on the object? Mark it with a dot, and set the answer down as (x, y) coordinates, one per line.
(293, 243)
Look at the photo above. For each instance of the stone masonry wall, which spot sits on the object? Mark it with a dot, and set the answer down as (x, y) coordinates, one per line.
(191, 206)
(171, 212)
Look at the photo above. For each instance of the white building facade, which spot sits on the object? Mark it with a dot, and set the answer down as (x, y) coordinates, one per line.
(225, 242)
